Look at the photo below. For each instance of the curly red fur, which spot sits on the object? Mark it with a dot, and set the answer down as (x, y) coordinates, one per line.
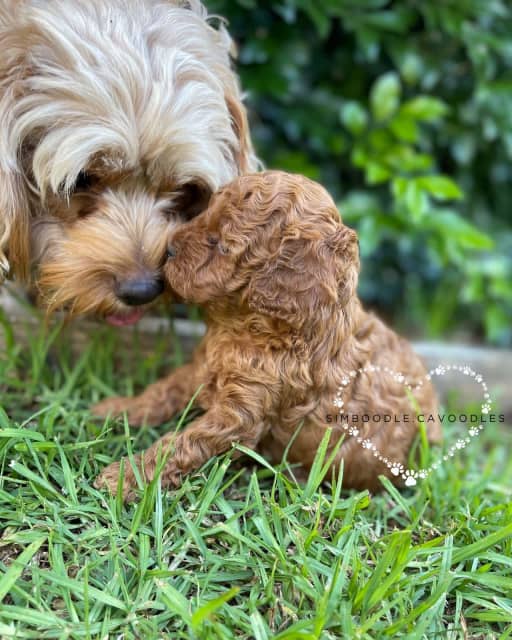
(276, 272)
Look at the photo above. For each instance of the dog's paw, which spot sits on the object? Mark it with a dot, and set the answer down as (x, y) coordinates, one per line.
(109, 479)
(111, 407)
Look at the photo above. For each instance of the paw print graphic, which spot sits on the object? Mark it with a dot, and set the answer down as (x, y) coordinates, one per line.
(409, 477)
(397, 468)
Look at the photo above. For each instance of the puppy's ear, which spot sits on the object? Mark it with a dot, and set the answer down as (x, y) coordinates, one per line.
(306, 281)
(244, 155)
(344, 245)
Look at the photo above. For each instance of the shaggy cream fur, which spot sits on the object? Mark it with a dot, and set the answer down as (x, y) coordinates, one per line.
(119, 118)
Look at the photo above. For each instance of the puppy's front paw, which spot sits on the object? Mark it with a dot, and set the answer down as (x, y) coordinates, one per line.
(137, 413)
(109, 479)
(111, 407)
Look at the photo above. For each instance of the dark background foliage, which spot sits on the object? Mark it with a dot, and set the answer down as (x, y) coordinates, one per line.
(404, 111)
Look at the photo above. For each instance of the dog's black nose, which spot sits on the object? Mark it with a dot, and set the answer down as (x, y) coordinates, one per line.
(139, 290)
(172, 252)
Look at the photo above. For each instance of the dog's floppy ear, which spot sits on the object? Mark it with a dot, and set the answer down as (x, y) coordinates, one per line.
(14, 226)
(14, 201)
(244, 155)
(307, 280)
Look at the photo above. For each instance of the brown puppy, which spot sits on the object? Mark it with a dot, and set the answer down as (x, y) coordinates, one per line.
(276, 272)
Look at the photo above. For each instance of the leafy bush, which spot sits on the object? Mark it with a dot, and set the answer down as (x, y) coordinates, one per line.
(404, 111)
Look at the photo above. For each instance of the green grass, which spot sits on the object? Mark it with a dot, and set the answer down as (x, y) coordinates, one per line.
(239, 551)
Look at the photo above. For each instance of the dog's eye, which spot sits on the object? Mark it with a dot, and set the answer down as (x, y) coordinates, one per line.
(83, 182)
(212, 241)
(191, 200)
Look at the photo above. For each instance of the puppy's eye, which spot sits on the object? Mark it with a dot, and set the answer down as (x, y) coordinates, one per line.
(214, 242)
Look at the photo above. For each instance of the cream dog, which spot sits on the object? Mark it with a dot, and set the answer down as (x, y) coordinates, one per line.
(119, 119)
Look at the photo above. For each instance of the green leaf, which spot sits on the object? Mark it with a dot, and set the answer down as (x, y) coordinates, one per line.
(370, 234)
(450, 223)
(385, 96)
(204, 612)
(376, 173)
(416, 199)
(387, 571)
(81, 590)
(358, 205)
(405, 128)
(424, 108)
(411, 67)
(399, 187)
(403, 159)
(17, 567)
(319, 17)
(440, 187)
(477, 548)
(354, 117)
(359, 156)
(38, 480)
(175, 601)
(19, 433)
(4, 419)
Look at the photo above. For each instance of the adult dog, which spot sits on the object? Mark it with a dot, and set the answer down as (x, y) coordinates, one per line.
(119, 119)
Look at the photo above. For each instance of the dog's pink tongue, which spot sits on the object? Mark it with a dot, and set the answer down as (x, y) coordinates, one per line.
(125, 319)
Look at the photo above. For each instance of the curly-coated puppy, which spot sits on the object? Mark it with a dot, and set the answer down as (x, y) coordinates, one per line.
(276, 273)
(119, 119)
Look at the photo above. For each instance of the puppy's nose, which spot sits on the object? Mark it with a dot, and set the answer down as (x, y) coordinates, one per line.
(139, 290)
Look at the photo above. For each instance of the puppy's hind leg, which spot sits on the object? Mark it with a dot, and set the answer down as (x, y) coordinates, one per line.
(156, 404)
